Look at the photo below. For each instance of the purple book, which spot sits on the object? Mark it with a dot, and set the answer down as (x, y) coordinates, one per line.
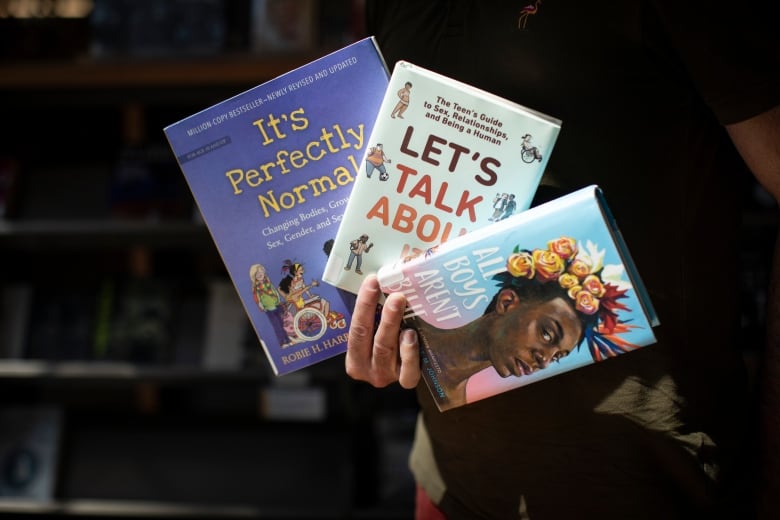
(271, 170)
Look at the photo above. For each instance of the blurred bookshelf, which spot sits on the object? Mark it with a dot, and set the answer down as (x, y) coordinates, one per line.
(153, 411)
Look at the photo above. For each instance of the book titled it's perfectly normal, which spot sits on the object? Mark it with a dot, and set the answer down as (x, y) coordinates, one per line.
(444, 158)
(271, 170)
(546, 291)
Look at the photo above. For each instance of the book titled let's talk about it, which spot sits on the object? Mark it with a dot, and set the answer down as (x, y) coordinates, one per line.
(444, 158)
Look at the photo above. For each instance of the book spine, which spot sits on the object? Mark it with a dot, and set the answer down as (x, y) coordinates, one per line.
(639, 286)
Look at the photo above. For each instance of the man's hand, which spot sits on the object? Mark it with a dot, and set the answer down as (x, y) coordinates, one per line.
(389, 355)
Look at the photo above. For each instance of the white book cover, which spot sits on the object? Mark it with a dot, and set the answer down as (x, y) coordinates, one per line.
(444, 158)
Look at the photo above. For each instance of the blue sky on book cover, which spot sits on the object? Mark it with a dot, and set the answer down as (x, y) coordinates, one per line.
(271, 170)
(572, 242)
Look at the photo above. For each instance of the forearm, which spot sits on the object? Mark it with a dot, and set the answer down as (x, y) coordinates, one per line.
(758, 141)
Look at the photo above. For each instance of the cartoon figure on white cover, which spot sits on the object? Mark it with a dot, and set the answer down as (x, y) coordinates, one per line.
(403, 101)
(375, 160)
(509, 207)
(530, 152)
(356, 249)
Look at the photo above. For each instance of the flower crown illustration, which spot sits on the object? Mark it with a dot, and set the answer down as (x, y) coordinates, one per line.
(593, 288)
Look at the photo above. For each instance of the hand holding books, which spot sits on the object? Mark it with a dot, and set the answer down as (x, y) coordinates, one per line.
(385, 356)
(546, 291)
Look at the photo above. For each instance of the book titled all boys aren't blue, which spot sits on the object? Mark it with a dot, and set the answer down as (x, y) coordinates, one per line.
(543, 292)
(271, 170)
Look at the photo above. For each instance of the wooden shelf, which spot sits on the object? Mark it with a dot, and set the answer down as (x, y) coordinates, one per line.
(125, 509)
(150, 510)
(102, 233)
(127, 372)
(159, 73)
(118, 371)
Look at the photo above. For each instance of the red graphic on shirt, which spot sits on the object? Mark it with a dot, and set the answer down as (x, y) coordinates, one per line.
(525, 12)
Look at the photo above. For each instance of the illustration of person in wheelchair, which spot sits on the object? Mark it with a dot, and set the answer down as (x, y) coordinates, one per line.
(530, 153)
(311, 313)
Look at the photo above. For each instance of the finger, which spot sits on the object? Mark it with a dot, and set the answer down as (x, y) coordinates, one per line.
(408, 348)
(361, 330)
(385, 359)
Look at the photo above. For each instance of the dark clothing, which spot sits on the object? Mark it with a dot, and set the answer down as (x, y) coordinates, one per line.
(641, 88)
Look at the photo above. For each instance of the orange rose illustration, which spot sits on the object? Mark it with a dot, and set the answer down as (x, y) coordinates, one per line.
(594, 285)
(521, 265)
(568, 280)
(579, 275)
(564, 247)
(586, 303)
(579, 268)
(549, 265)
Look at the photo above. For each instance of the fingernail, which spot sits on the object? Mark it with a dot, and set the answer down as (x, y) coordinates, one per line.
(409, 336)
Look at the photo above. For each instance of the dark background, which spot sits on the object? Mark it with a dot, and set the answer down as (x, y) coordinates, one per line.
(112, 402)
(119, 397)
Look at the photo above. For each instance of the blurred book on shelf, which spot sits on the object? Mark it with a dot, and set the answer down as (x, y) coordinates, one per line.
(189, 327)
(154, 321)
(61, 322)
(118, 29)
(145, 28)
(29, 452)
(227, 328)
(43, 184)
(134, 321)
(283, 26)
(14, 316)
(146, 184)
(9, 185)
(293, 402)
(43, 30)
(157, 321)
